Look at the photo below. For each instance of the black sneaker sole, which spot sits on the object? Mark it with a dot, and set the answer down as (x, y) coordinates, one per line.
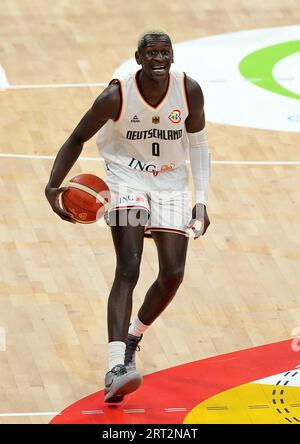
(115, 399)
(127, 384)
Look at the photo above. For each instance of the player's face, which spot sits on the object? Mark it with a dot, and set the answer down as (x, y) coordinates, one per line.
(156, 58)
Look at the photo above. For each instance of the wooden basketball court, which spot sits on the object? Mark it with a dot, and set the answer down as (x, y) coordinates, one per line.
(241, 287)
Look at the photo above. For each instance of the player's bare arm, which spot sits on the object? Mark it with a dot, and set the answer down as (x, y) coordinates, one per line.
(105, 107)
(196, 119)
(195, 124)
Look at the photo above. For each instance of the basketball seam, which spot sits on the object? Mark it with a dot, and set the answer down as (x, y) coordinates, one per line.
(88, 190)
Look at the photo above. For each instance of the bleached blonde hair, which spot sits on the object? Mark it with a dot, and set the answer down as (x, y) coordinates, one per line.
(152, 32)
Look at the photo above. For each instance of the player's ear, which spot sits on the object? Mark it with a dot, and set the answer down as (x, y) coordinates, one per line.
(138, 58)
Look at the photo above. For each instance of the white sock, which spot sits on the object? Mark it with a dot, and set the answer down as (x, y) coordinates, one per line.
(116, 353)
(137, 328)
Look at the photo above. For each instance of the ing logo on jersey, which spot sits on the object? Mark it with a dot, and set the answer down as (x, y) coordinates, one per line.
(175, 116)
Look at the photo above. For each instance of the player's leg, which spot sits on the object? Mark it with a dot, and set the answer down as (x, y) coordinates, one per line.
(172, 250)
(128, 242)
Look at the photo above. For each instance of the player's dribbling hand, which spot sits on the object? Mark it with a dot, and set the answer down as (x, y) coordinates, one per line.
(52, 195)
(200, 220)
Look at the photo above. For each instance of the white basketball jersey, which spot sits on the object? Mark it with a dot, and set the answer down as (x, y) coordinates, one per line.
(146, 137)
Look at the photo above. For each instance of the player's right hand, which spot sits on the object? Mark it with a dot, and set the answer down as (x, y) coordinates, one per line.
(52, 195)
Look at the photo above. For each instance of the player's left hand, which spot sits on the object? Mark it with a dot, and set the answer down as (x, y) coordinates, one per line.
(200, 220)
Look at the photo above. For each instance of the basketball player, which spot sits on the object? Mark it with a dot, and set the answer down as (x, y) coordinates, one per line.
(147, 119)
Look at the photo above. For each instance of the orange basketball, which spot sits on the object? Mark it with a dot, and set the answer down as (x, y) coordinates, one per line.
(87, 198)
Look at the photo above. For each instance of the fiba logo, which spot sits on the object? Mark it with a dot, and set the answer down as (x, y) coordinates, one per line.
(175, 116)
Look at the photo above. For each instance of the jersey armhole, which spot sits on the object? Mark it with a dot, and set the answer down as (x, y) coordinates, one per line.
(185, 93)
(118, 82)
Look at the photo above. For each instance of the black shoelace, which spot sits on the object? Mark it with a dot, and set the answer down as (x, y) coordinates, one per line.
(131, 348)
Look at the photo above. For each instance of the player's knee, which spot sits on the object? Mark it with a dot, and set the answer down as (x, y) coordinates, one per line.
(129, 270)
(172, 277)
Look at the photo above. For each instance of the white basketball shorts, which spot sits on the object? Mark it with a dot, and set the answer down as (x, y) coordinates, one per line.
(165, 197)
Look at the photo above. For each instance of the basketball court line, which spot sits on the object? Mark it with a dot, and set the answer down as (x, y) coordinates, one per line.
(56, 85)
(216, 162)
(127, 411)
(103, 84)
(3, 415)
(89, 412)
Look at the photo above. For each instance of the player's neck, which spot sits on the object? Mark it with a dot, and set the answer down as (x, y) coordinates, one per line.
(152, 89)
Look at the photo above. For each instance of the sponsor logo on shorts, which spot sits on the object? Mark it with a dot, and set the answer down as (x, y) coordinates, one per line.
(175, 116)
(129, 198)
